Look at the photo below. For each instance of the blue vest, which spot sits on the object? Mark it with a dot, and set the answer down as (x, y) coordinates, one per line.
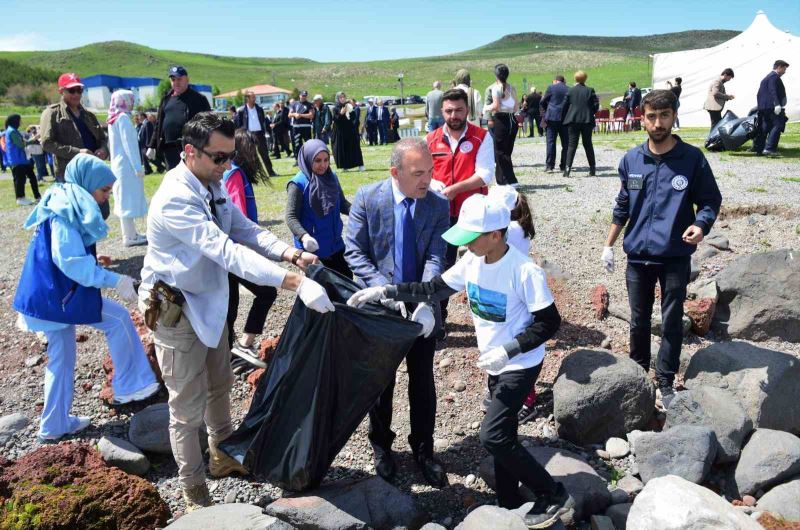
(46, 293)
(14, 156)
(326, 230)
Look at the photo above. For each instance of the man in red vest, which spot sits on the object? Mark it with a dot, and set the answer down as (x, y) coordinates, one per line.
(463, 162)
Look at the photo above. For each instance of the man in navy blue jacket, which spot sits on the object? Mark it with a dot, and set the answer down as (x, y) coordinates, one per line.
(553, 104)
(663, 181)
(771, 116)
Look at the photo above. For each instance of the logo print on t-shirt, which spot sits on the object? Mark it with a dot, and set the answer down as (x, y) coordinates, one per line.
(679, 182)
(466, 147)
(486, 304)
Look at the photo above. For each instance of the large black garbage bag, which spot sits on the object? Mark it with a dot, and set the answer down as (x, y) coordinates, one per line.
(714, 140)
(735, 133)
(327, 371)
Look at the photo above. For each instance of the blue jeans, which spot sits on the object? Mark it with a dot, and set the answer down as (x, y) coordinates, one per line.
(41, 166)
(132, 371)
(641, 280)
(435, 123)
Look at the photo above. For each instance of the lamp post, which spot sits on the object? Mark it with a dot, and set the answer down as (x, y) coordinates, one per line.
(402, 96)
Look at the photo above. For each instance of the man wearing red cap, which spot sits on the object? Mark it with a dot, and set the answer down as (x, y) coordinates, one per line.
(68, 129)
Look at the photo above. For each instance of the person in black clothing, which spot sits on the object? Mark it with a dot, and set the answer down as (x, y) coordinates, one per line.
(177, 107)
(532, 101)
(579, 109)
(346, 140)
(302, 114)
(676, 89)
(144, 132)
(280, 130)
(250, 117)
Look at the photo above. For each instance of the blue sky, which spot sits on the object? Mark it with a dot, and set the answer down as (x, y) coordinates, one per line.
(359, 30)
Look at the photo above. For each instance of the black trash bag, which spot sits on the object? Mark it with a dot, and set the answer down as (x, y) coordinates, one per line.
(714, 140)
(735, 133)
(327, 371)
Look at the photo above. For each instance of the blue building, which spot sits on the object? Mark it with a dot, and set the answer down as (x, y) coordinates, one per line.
(98, 89)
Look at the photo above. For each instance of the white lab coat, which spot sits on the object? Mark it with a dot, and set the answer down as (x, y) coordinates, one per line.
(126, 163)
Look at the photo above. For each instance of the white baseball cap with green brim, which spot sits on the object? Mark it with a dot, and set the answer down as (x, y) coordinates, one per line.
(478, 216)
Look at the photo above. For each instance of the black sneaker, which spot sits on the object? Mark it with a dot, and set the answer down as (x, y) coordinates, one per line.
(547, 509)
(667, 394)
(526, 414)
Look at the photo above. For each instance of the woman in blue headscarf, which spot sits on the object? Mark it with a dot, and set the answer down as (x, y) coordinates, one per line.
(59, 288)
(316, 203)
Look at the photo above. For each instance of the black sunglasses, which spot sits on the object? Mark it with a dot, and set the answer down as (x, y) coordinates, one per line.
(217, 158)
(75, 90)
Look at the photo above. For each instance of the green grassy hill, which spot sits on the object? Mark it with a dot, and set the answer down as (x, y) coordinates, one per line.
(610, 61)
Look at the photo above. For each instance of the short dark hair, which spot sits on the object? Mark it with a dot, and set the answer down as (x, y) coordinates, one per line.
(455, 94)
(198, 130)
(501, 72)
(660, 99)
(633, 84)
(232, 107)
(779, 63)
(678, 80)
(560, 78)
(728, 72)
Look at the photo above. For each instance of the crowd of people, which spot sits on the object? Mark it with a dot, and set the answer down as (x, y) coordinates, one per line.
(454, 188)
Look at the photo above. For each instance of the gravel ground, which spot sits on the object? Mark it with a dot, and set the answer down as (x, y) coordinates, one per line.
(572, 218)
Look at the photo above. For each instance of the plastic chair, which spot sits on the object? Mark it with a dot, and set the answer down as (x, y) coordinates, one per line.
(618, 121)
(602, 119)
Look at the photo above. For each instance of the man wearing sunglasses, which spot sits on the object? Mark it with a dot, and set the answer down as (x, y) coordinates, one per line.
(68, 129)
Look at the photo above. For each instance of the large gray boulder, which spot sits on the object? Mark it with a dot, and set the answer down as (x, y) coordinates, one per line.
(229, 517)
(686, 451)
(149, 430)
(10, 424)
(672, 503)
(598, 395)
(764, 381)
(588, 489)
(492, 517)
(717, 409)
(783, 500)
(124, 455)
(769, 458)
(350, 505)
(760, 296)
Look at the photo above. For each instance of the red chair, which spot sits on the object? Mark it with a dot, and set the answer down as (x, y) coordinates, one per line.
(602, 119)
(618, 122)
(637, 117)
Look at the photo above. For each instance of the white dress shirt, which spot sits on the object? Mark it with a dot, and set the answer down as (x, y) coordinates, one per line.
(190, 250)
(484, 160)
(252, 119)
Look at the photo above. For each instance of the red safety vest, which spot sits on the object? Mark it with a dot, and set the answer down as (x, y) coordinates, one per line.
(451, 167)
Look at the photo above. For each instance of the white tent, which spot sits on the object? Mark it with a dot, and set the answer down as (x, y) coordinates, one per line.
(750, 54)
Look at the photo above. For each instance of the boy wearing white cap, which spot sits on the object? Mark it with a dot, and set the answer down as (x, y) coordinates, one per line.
(514, 315)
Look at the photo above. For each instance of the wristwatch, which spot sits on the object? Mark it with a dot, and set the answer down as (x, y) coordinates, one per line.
(296, 256)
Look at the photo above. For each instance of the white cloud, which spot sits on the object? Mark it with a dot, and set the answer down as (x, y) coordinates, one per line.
(24, 42)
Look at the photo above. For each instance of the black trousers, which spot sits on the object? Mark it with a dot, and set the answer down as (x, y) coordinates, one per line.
(672, 278)
(372, 133)
(555, 131)
(421, 398)
(584, 130)
(280, 141)
(770, 128)
(512, 462)
(172, 154)
(338, 263)
(300, 135)
(534, 120)
(715, 116)
(19, 174)
(265, 297)
(504, 136)
(263, 151)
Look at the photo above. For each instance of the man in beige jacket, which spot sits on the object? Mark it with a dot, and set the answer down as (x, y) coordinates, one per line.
(717, 97)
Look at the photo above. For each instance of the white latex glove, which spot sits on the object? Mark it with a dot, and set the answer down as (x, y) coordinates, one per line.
(364, 296)
(150, 153)
(395, 306)
(608, 258)
(777, 109)
(125, 288)
(314, 296)
(423, 315)
(493, 360)
(309, 243)
(436, 186)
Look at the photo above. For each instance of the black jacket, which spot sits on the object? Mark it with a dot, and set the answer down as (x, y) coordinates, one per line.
(145, 133)
(771, 92)
(553, 102)
(195, 102)
(581, 104)
(281, 120)
(242, 117)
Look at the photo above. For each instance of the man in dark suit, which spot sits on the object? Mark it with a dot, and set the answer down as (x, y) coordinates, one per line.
(553, 106)
(579, 110)
(250, 116)
(633, 98)
(371, 126)
(394, 234)
(771, 110)
(280, 129)
(381, 119)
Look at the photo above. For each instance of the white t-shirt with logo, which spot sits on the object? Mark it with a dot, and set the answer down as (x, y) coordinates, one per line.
(502, 296)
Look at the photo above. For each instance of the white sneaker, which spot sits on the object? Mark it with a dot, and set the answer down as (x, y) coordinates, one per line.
(362, 168)
(83, 422)
(24, 201)
(139, 240)
(248, 353)
(139, 395)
